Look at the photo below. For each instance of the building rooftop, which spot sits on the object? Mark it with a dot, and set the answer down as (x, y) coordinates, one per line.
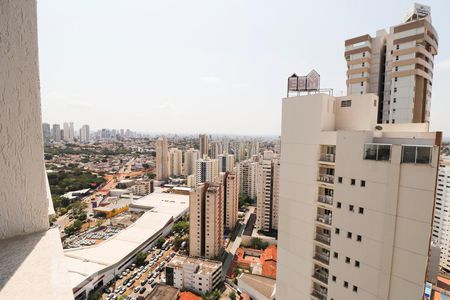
(163, 292)
(265, 286)
(206, 266)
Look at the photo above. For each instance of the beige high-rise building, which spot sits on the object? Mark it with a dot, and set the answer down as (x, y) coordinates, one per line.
(162, 158)
(175, 162)
(203, 145)
(230, 185)
(268, 192)
(190, 158)
(225, 162)
(215, 149)
(206, 170)
(397, 66)
(206, 220)
(356, 201)
(247, 172)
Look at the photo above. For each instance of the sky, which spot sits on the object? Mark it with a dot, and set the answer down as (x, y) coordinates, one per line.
(206, 66)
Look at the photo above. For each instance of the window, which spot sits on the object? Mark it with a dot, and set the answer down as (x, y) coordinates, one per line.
(359, 238)
(396, 69)
(346, 103)
(338, 205)
(355, 288)
(364, 54)
(396, 58)
(335, 255)
(349, 235)
(357, 263)
(333, 278)
(395, 100)
(397, 47)
(395, 79)
(416, 154)
(350, 207)
(345, 284)
(363, 64)
(353, 181)
(340, 179)
(362, 83)
(393, 121)
(337, 230)
(363, 183)
(377, 151)
(347, 260)
(361, 210)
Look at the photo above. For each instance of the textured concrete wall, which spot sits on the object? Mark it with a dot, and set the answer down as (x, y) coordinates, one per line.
(23, 198)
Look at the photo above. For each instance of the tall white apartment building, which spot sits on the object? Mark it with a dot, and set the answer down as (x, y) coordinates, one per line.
(225, 162)
(397, 66)
(66, 131)
(190, 157)
(56, 132)
(200, 275)
(142, 188)
(175, 162)
(162, 158)
(84, 134)
(206, 220)
(203, 145)
(215, 149)
(247, 173)
(268, 192)
(230, 191)
(206, 170)
(356, 201)
(441, 225)
(46, 132)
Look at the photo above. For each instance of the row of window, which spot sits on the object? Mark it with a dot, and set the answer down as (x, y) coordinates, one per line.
(351, 208)
(362, 183)
(345, 284)
(347, 260)
(337, 231)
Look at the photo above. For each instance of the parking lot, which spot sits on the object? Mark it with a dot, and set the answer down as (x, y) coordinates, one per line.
(91, 237)
(139, 280)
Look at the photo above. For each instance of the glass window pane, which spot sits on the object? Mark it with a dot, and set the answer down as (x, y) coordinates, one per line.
(409, 154)
(370, 151)
(423, 155)
(384, 152)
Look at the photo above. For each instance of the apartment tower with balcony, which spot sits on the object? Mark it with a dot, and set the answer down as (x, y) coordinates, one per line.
(356, 201)
(397, 66)
(162, 158)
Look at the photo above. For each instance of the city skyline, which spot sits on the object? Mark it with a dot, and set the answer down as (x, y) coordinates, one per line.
(228, 67)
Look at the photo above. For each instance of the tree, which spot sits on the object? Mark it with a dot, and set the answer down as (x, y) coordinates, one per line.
(257, 243)
(146, 166)
(232, 295)
(212, 295)
(140, 258)
(151, 175)
(160, 242)
(82, 217)
(181, 226)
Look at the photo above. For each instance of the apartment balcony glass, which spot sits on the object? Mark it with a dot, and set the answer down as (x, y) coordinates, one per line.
(373, 151)
(327, 157)
(326, 178)
(325, 199)
(319, 294)
(322, 257)
(323, 218)
(323, 238)
(321, 276)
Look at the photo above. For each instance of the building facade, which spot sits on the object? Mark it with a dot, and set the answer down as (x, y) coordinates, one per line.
(200, 275)
(352, 192)
(230, 191)
(203, 145)
(397, 66)
(206, 220)
(190, 158)
(206, 170)
(175, 162)
(225, 162)
(247, 173)
(268, 192)
(162, 158)
(84, 134)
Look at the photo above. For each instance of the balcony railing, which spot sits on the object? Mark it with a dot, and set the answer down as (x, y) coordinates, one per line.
(327, 157)
(322, 277)
(319, 294)
(325, 219)
(323, 258)
(325, 178)
(326, 199)
(323, 238)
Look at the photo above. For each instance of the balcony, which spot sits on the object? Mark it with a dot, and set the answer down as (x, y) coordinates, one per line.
(327, 157)
(325, 199)
(323, 238)
(322, 277)
(322, 257)
(324, 219)
(319, 294)
(326, 178)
